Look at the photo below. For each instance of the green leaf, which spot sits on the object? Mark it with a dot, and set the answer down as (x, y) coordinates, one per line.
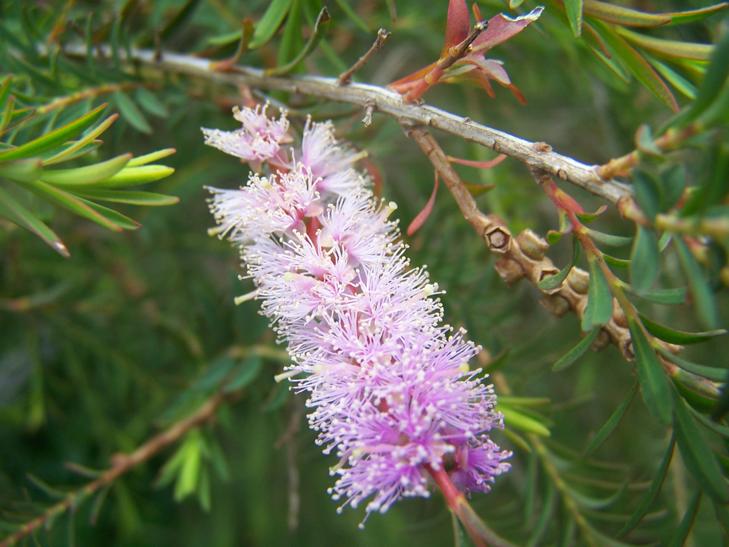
(152, 156)
(637, 64)
(180, 17)
(599, 307)
(522, 421)
(650, 496)
(87, 175)
(244, 374)
(53, 138)
(322, 22)
(710, 88)
(115, 217)
(697, 455)
(609, 239)
(703, 299)
(717, 374)
(270, 22)
(647, 193)
(654, 385)
(69, 152)
(136, 176)
(291, 42)
(685, 87)
(673, 49)
(144, 199)
(552, 282)
(576, 352)
(352, 15)
(644, 259)
(151, 103)
(679, 536)
(13, 210)
(616, 262)
(633, 18)
(613, 421)
(545, 517)
(662, 296)
(573, 8)
(675, 336)
(73, 204)
(131, 113)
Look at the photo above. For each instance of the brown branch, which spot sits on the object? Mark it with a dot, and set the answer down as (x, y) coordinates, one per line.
(524, 257)
(346, 76)
(533, 154)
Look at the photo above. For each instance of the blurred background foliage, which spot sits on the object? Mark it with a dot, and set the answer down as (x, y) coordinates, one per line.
(136, 329)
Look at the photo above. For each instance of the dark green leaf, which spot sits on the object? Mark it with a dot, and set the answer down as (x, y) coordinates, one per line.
(151, 103)
(675, 336)
(673, 185)
(322, 22)
(716, 374)
(609, 239)
(697, 455)
(703, 298)
(644, 259)
(599, 307)
(244, 374)
(650, 496)
(270, 22)
(352, 15)
(654, 385)
(637, 64)
(535, 538)
(576, 352)
(663, 296)
(613, 421)
(647, 193)
(131, 113)
(552, 282)
(712, 84)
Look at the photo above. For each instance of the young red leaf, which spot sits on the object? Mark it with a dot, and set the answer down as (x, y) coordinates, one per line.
(457, 24)
(423, 215)
(502, 27)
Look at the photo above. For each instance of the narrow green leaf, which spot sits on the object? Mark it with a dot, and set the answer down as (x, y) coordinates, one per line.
(72, 203)
(270, 22)
(637, 64)
(244, 374)
(685, 87)
(654, 385)
(633, 18)
(520, 420)
(352, 15)
(136, 176)
(131, 113)
(697, 455)
(291, 41)
(573, 8)
(322, 22)
(710, 88)
(180, 17)
(144, 199)
(13, 210)
(576, 352)
(644, 259)
(717, 374)
(616, 262)
(673, 49)
(69, 152)
(650, 496)
(662, 296)
(87, 175)
(599, 307)
(53, 138)
(675, 336)
(152, 156)
(613, 421)
(114, 217)
(609, 239)
(647, 193)
(552, 282)
(545, 517)
(151, 103)
(703, 299)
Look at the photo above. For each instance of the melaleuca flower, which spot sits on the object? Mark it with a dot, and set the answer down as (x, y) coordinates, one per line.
(389, 387)
(258, 139)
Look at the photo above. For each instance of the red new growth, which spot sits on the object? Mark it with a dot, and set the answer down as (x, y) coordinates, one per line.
(463, 54)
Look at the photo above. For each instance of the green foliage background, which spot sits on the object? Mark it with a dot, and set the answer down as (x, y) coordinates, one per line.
(101, 350)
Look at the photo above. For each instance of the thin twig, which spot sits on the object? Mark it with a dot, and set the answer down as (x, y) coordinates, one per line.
(346, 77)
(536, 155)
